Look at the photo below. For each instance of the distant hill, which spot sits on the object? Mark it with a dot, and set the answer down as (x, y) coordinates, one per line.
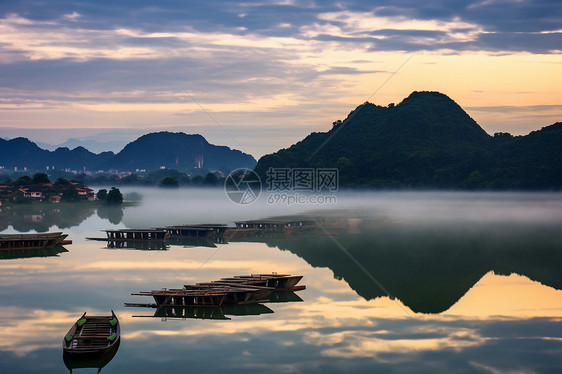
(150, 152)
(22, 153)
(178, 151)
(90, 145)
(426, 141)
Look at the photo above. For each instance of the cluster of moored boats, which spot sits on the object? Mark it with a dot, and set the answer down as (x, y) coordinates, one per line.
(92, 341)
(240, 289)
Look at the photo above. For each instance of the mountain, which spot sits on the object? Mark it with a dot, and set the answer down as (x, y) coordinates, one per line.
(178, 151)
(426, 141)
(526, 162)
(90, 145)
(20, 152)
(149, 152)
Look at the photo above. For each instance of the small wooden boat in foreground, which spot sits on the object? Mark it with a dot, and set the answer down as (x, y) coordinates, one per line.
(92, 336)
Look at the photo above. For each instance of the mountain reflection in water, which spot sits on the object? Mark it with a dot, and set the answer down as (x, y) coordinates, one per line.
(41, 218)
(429, 268)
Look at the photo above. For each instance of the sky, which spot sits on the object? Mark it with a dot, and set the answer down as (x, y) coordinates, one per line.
(260, 75)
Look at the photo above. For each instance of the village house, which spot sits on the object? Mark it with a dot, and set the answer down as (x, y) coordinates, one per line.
(32, 193)
(43, 192)
(86, 193)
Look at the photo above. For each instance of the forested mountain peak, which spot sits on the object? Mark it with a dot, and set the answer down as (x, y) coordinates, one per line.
(425, 141)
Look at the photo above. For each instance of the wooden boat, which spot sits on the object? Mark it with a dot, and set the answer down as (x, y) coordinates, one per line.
(71, 362)
(279, 282)
(207, 296)
(242, 289)
(195, 231)
(132, 235)
(92, 336)
(182, 297)
(235, 232)
(31, 241)
(235, 293)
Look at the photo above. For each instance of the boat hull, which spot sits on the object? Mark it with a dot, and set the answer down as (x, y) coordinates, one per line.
(278, 282)
(31, 241)
(92, 337)
(73, 361)
(242, 289)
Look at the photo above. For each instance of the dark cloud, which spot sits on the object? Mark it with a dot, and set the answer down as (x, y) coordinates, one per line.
(520, 42)
(409, 33)
(348, 71)
(492, 15)
(512, 23)
(229, 75)
(513, 109)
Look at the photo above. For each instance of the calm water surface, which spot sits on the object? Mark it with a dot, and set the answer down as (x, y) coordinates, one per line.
(423, 282)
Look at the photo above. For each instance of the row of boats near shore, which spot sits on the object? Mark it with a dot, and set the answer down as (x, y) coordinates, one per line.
(283, 225)
(118, 238)
(23, 245)
(204, 234)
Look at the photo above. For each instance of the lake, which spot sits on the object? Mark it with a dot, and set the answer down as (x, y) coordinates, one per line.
(400, 282)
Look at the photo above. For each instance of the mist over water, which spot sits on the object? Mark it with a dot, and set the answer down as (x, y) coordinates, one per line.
(191, 206)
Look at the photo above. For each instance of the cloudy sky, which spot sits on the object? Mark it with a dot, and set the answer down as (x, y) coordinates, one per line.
(260, 75)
